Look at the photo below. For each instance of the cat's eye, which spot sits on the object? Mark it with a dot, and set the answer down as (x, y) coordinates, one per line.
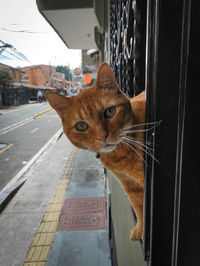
(81, 126)
(109, 112)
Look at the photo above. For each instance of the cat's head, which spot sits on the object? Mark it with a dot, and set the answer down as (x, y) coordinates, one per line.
(94, 119)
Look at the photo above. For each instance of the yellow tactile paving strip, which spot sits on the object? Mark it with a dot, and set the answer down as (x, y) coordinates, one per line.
(41, 245)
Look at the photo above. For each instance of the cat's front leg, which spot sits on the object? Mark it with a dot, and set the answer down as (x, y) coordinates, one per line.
(136, 200)
(136, 233)
(135, 194)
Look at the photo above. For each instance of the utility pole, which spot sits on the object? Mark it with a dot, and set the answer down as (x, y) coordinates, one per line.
(50, 75)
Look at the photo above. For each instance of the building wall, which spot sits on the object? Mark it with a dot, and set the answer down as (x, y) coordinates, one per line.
(39, 75)
(90, 64)
(129, 253)
(43, 75)
(34, 76)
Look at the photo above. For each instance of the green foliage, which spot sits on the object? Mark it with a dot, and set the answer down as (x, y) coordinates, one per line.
(66, 70)
(6, 79)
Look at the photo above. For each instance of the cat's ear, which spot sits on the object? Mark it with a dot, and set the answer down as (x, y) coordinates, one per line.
(58, 102)
(105, 77)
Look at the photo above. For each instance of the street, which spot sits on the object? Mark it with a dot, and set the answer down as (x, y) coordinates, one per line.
(22, 136)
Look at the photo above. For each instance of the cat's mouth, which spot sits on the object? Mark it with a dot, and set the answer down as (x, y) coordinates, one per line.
(108, 148)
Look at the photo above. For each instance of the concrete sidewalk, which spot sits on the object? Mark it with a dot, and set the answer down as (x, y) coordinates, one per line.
(58, 217)
(8, 109)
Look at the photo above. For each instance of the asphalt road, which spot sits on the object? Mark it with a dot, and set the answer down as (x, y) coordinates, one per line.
(24, 137)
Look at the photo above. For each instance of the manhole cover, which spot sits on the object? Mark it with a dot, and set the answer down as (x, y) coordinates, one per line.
(3, 145)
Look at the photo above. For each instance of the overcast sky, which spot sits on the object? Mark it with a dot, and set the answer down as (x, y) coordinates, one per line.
(22, 26)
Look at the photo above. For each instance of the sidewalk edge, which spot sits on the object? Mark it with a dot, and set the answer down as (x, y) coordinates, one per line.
(9, 190)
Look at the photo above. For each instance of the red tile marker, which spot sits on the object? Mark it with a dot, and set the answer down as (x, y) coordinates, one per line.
(83, 214)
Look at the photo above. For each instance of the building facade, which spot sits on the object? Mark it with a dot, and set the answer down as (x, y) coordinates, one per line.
(28, 80)
(90, 64)
(44, 76)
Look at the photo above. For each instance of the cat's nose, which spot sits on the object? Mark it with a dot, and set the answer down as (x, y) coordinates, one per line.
(101, 134)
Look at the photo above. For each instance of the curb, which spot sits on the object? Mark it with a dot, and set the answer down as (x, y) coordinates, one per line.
(16, 182)
(43, 112)
(12, 109)
(8, 194)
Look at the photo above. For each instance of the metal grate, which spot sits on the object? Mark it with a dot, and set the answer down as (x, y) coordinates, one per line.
(127, 49)
(126, 45)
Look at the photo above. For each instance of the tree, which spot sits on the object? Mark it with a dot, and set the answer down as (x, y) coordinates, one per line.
(6, 79)
(66, 70)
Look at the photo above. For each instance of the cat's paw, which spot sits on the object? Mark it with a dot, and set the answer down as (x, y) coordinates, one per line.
(136, 234)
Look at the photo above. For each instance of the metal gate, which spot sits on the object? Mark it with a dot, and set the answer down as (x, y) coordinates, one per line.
(14, 96)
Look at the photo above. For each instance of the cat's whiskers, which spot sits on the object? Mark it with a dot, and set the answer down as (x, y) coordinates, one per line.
(138, 144)
(133, 128)
(155, 124)
(147, 142)
(141, 146)
(136, 140)
(137, 130)
(124, 141)
(142, 140)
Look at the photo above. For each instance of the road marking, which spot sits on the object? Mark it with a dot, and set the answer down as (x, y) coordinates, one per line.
(41, 113)
(6, 148)
(21, 123)
(34, 130)
(19, 108)
(30, 163)
(16, 125)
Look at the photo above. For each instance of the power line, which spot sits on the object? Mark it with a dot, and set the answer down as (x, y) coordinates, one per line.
(7, 58)
(19, 53)
(25, 31)
(4, 48)
(13, 55)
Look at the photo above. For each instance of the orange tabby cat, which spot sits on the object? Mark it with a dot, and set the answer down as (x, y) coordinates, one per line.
(103, 120)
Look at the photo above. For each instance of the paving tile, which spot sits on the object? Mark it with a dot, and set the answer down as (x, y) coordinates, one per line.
(61, 186)
(58, 199)
(64, 181)
(88, 174)
(47, 227)
(38, 253)
(43, 239)
(80, 248)
(83, 214)
(86, 159)
(51, 216)
(80, 222)
(84, 205)
(55, 207)
(86, 189)
(59, 193)
(34, 264)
